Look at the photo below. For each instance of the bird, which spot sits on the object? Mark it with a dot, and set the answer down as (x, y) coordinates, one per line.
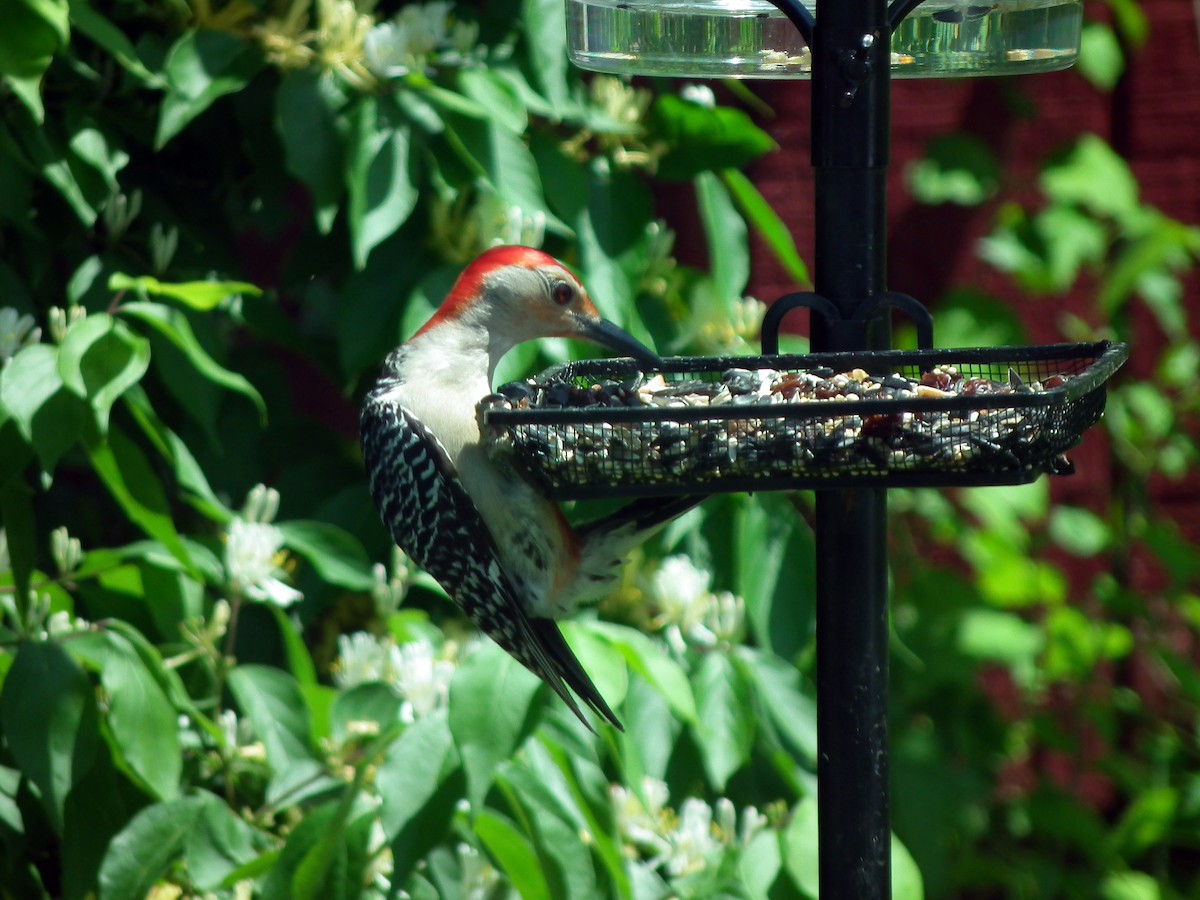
(502, 551)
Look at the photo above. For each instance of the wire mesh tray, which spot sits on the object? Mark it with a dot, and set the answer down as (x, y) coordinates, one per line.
(606, 428)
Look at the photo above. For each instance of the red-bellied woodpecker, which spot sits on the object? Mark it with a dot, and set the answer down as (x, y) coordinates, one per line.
(501, 550)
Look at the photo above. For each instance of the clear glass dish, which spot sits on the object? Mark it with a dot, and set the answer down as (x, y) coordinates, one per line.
(753, 39)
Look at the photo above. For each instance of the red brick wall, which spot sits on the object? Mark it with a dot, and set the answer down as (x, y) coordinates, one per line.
(1152, 119)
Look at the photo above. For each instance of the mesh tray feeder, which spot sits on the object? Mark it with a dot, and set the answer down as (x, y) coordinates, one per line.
(607, 428)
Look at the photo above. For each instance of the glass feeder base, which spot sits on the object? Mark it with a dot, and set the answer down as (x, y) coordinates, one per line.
(753, 39)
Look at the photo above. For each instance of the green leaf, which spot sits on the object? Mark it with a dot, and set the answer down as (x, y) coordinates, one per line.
(1101, 60)
(41, 151)
(174, 326)
(906, 876)
(96, 149)
(777, 686)
(800, 848)
(28, 89)
(21, 536)
(100, 359)
(28, 381)
(412, 770)
(724, 726)
(1071, 239)
(187, 471)
(1093, 175)
(373, 702)
(760, 863)
(514, 855)
(991, 635)
(1130, 886)
(272, 702)
(201, 67)
(1078, 531)
(335, 554)
(702, 138)
(219, 844)
(725, 231)
(199, 295)
(958, 168)
(1076, 644)
(33, 32)
(491, 697)
(98, 807)
(140, 718)
(50, 418)
(48, 715)
(493, 152)
(380, 176)
(306, 107)
(769, 574)
(1146, 823)
(133, 483)
(496, 96)
(545, 22)
(602, 661)
(299, 658)
(767, 224)
(313, 829)
(109, 37)
(141, 854)
(651, 662)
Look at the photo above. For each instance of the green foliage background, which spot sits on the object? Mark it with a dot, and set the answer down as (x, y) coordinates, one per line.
(217, 218)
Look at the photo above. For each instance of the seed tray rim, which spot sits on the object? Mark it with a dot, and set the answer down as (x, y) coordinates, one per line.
(917, 478)
(1106, 356)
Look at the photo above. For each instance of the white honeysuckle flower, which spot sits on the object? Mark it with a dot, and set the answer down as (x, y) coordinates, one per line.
(415, 670)
(643, 824)
(362, 659)
(423, 680)
(463, 38)
(385, 51)
(424, 26)
(527, 229)
(17, 332)
(681, 588)
(419, 34)
(682, 844)
(688, 612)
(5, 561)
(700, 94)
(747, 317)
(726, 616)
(362, 728)
(61, 623)
(751, 824)
(227, 721)
(66, 551)
(479, 876)
(60, 320)
(692, 842)
(725, 817)
(254, 560)
(262, 504)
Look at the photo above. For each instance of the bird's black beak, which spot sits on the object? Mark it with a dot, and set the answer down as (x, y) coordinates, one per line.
(605, 333)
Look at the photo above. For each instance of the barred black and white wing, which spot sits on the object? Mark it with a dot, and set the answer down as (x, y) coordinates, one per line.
(432, 518)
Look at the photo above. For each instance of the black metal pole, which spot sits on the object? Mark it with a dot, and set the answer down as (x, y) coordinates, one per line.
(850, 105)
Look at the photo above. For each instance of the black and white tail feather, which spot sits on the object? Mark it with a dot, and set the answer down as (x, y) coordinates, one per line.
(433, 519)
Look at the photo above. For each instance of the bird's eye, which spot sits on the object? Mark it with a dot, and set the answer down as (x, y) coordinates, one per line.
(563, 293)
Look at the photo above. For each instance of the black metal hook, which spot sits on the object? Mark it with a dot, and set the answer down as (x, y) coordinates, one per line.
(799, 15)
(834, 320)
